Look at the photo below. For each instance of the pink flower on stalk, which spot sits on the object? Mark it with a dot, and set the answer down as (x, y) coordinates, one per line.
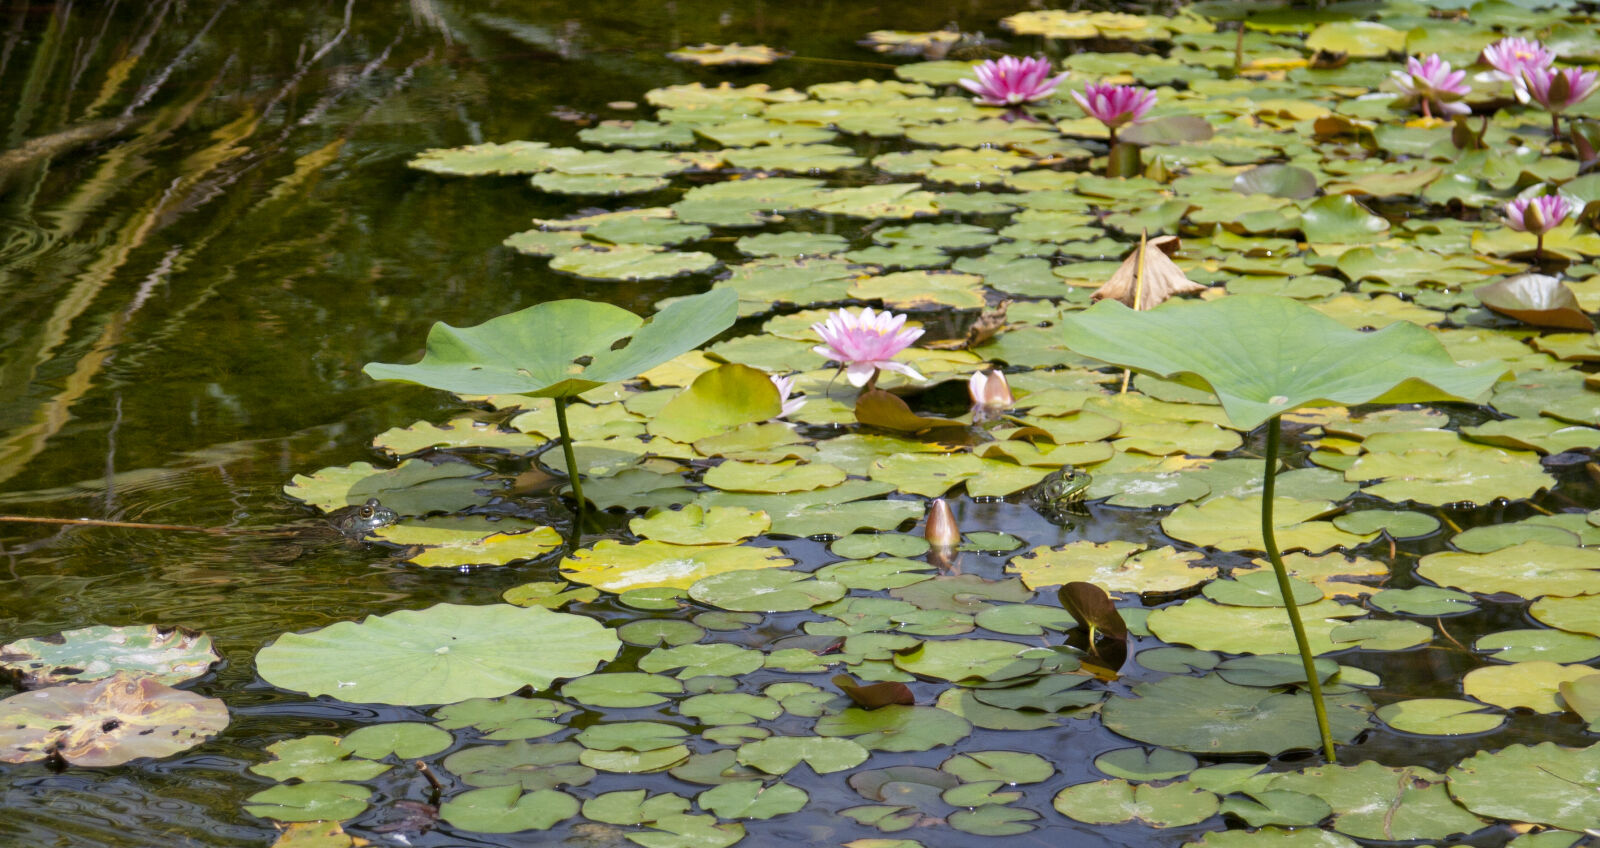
(785, 385)
(1509, 56)
(865, 342)
(1432, 82)
(1115, 105)
(1560, 89)
(1012, 81)
(1538, 215)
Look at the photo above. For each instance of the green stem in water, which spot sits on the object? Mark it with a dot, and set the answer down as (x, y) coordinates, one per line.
(1308, 659)
(572, 460)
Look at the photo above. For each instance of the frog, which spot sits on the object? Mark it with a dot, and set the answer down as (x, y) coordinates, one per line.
(1061, 493)
(356, 521)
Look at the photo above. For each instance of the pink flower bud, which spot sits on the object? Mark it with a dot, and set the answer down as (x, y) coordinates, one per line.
(989, 389)
(940, 526)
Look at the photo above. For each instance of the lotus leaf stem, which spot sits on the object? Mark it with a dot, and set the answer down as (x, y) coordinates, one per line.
(572, 459)
(1270, 540)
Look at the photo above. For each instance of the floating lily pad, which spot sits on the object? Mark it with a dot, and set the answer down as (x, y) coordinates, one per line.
(764, 591)
(169, 654)
(1210, 715)
(618, 567)
(1372, 801)
(1530, 569)
(443, 654)
(1115, 801)
(1555, 786)
(506, 809)
(107, 722)
(1440, 717)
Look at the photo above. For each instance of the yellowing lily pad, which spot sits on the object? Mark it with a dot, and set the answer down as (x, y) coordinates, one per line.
(107, 722)
(1113, 566)
(1530, 569)
(1235, 524)
(619, 567)
(695, 525)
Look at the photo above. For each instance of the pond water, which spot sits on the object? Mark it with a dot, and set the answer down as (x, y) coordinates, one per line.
(207, 228)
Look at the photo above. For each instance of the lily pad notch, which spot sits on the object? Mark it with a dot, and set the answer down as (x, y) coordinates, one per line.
(561, 349)
(1262, 356)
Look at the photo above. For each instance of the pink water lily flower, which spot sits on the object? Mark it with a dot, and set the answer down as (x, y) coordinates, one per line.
(1560, 89)
(865, 342)
(785, 385)
(1012, 81)
(1434, 84)
(1115, 105)
(1509, 56)
(1538, 215)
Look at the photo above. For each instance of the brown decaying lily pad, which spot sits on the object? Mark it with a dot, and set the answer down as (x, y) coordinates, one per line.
(107, 722)
(1537, 299)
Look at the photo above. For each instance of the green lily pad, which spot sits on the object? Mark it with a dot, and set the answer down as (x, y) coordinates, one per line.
(443, 654)
(171, 655)
(1212, 716)
(530, 766)
(1372, 801)
(896, 727)
(1249, 630)
(506, 809)
(1439, 717)
(1424, 600)
(307, 802)
(314, 758)
(1555, 786)
(764, 591)
(1140, 764)
(778, 754)
(1116, 801)
(504, 718)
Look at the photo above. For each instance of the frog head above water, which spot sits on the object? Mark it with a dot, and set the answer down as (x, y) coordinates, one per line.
(357, 521)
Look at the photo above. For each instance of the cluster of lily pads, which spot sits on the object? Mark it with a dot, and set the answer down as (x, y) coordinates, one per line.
(1309, 203)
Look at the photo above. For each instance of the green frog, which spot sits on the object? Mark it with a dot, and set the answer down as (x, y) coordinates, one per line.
(356, 521)
(1061, 493)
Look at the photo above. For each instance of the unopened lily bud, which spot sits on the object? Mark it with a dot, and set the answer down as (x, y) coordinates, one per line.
(990, 389)
(940, 527)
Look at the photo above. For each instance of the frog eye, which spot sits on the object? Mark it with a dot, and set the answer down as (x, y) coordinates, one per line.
(366, 512)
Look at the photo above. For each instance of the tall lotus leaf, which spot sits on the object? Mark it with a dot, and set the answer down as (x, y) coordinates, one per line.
(537, 351)
(1264, 355)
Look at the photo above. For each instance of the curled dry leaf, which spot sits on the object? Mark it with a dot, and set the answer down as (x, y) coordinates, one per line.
(1162, 277)
(1537, 299)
